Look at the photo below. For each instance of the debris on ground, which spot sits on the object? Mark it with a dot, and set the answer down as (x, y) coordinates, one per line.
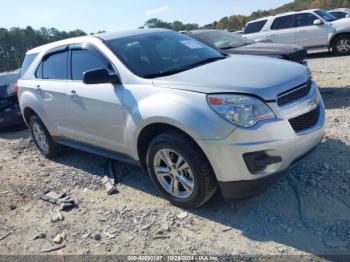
(40, 235)
(59, 238)
(62, 200)
(109, 184)
(109, 180)
(97, 237)
(54, 248)
(12, 207)
(182, 215)
(57, 216)
(228, 228)
(5, 236)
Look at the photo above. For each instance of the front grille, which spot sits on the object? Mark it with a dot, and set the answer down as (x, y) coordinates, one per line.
(290, 96)
(305, 121)
(298, 56)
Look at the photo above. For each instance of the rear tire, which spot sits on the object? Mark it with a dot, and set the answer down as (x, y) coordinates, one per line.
(42, 137)
(341, 45)
(194, 181)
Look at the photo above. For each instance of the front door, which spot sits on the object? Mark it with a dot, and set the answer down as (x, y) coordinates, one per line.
(95, 111)
(308, 34)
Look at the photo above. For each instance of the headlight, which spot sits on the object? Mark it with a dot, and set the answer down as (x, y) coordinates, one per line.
(244, 111)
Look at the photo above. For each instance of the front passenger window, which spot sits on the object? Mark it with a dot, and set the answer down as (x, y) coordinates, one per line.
(85, 60)
(305, 19)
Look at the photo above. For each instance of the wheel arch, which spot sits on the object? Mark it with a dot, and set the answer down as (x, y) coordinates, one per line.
(149, 132)
(337, 35)
(28, 112)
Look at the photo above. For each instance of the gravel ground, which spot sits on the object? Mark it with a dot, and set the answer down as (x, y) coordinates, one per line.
(308, 212)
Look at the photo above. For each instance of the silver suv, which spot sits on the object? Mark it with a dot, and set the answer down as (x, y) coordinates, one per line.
(313, 28)
(194, 118)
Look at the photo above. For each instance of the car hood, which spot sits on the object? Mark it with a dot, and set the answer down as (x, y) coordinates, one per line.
(265, 49)
(262, 76)
(342, 24)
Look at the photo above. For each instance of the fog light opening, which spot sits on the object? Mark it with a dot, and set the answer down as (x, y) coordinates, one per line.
(259, 161)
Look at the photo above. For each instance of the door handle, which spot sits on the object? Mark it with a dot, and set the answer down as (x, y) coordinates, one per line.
(301, 31)
(271, 35)
(72, 93)
(38, 88)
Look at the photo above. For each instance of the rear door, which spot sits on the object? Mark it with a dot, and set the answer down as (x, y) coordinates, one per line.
(95, 111)
(308, 34)
(50, 87)
(282, 30)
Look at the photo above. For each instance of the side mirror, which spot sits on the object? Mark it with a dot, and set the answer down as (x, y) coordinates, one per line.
(99, 76)
(318, 22)
(347, 16)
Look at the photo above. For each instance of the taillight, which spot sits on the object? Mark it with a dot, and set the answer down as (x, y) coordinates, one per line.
(17, 88)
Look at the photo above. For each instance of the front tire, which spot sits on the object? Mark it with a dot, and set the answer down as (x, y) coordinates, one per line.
(42, 138)
(341, 45)
(180, 170)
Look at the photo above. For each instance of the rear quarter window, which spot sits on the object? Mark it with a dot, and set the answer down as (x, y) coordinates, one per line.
(254, 27)
(28, 60)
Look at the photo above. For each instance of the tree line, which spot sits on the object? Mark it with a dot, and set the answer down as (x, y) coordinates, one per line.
(15, 42)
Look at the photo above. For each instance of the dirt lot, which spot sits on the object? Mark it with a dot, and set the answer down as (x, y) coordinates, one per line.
(307, 212)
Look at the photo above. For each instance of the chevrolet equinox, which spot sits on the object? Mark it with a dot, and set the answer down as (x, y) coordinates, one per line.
(194, 118)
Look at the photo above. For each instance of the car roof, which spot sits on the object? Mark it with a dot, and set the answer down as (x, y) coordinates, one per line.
(346, 10)
(283, 14)
(113, 35)
(94, 38)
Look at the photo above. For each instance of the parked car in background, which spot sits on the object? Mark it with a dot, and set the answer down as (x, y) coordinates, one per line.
(340, 13)
(231, 43)
(194, 118)
(10, 113)
(309, 28)
(239, 32)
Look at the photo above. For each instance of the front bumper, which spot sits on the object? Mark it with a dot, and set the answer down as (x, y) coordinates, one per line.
(276, 138)
(11, 116)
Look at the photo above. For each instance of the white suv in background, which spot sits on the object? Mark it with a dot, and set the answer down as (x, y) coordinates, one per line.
(340, 13)
(309, 28)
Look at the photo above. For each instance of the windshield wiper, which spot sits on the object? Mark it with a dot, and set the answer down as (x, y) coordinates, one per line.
(227, 47)
(182, 69)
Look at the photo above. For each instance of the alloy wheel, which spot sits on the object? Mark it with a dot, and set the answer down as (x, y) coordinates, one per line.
(40, 137)
(343, 46)
(173, 173)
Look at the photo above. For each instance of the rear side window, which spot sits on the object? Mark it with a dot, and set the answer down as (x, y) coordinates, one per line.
(305, 19)
(53, 67)
(86, 60)
(28, 60)
(254, 27)
(283, 22)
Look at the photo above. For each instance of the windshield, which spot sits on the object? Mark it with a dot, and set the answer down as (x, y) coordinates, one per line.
(222, 39)
(326, 16)
(157, 54)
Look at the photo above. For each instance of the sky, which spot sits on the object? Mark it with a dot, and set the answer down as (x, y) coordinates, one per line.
(113, 15)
